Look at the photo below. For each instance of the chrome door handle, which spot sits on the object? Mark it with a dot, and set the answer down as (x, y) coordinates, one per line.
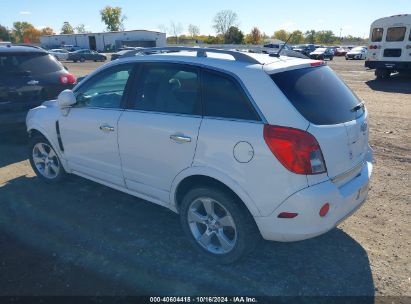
(32, 82)
(106, 128)
(180, 138)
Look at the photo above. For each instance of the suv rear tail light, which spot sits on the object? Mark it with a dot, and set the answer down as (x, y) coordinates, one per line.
(68, 79)
(296, 150)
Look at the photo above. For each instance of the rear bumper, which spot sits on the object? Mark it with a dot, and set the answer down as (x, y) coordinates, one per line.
(344, 200)
(392, 65)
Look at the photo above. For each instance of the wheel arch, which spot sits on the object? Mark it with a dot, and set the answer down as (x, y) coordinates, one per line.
(192, 177)
(37, 130)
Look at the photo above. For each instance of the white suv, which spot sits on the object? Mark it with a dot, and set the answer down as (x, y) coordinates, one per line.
(240, 145)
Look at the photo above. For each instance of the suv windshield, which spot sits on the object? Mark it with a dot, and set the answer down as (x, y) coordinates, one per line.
(36, 63)
(319, 95)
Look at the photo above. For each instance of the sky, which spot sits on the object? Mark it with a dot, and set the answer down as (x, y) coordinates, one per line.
(351, 17)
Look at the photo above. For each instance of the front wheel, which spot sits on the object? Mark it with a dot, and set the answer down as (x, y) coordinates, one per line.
(82, 59)
(218, 225)
(44, 160)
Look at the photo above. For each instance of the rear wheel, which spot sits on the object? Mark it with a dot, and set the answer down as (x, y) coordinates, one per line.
(44, 160)
(217, 225)
(382, 73)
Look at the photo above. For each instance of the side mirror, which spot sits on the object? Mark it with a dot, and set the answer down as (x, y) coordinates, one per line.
(66, 99)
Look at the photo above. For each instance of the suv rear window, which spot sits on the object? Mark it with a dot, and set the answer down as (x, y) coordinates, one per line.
(395, 34)
(377, 34)
(36, 63)
(319, 95)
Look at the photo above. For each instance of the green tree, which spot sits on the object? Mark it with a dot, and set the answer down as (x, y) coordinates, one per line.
(234, 36)
(113, 18)
(19, 28)
(281, 35)
(223, 20)
(67, 28)
(297, 37)
(310, 36)
(325, 37)
(4, 34)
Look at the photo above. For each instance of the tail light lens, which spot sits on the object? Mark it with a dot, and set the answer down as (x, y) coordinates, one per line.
(68, 79)
(297, 150)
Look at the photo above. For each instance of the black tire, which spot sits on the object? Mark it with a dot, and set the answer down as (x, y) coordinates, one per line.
(82, 59)
(247, 234)
(75, 60)
(382, 74)
(39, 139)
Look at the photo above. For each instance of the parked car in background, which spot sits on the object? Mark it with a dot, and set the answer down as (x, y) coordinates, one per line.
(322, 54)
(290, 168)
(59, 54)
(276, 46)
(124, 52)
(357, 53)
(83, 55)
(71, 48)
(389, 47)
(28, 76)
(340, 51)
(305, 49)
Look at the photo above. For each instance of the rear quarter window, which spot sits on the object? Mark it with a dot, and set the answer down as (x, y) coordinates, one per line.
(223, 97)
(395, 34)
(319, 95)
(377, 34)
(35, 63)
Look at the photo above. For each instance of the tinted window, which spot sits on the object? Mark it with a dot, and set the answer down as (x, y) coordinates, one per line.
(377, 34)
(319, 95)
(168, 88)
(36, 63)
(105, 90)
(396, 34)
(224, 97)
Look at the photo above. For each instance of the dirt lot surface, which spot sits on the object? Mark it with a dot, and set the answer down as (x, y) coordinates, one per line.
(81, 238)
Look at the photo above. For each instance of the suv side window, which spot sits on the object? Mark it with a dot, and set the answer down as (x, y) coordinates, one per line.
(168, 88)
(105, 90)
(223, 97)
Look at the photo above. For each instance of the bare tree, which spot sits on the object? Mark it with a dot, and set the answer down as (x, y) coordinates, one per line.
(176, 29)
(193, 30)
(224, 20)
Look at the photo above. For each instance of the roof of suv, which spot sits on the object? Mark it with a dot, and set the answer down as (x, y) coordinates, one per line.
(10, 48)
(228, 60)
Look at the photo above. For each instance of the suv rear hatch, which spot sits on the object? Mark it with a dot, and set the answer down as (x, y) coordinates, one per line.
(337, 117)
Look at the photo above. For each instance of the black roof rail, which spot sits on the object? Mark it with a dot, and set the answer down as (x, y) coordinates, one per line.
(201, 52)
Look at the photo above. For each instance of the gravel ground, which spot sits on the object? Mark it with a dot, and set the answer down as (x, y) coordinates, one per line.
(81, 238)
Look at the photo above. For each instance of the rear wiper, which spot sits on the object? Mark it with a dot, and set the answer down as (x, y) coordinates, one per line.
(359, 106)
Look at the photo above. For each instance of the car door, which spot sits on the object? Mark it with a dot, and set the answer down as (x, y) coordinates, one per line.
(158, 132)
(89, 129)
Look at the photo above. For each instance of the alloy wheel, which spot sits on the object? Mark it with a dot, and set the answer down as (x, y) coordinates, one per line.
(212, 225)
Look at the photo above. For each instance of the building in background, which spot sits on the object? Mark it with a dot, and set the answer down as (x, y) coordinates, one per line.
(106, 40)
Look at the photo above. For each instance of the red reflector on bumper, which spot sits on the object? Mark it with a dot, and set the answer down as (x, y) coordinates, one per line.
(287, 215)
(324, 210)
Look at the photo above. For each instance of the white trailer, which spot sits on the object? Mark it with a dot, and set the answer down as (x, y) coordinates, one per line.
(389, 48)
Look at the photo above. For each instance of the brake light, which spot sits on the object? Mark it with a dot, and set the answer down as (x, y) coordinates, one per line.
(297, 150)
(374, 47)
(68, 79)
